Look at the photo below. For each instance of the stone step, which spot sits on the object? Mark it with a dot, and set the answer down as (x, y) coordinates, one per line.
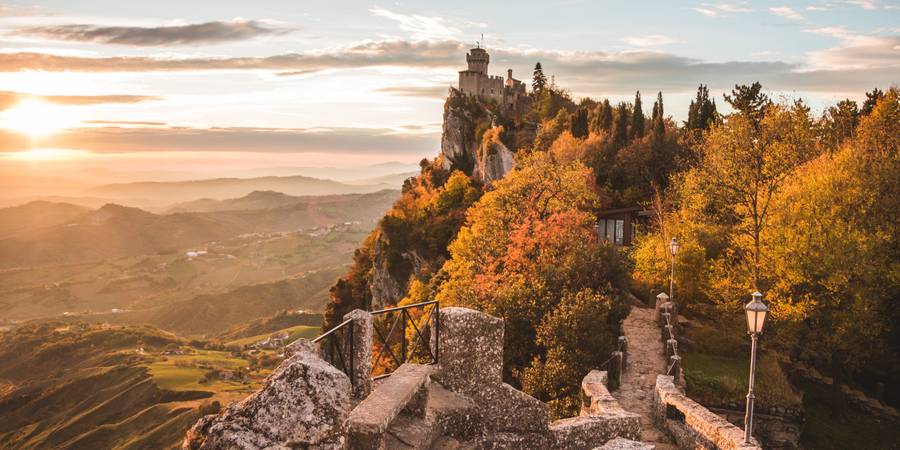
(449, 443)
(408, 432)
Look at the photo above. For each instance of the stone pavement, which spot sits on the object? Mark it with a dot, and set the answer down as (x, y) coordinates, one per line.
(645, 362)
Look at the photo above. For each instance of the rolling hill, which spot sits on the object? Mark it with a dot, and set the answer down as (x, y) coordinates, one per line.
(82, 386)
(223, 188)
(113, 231)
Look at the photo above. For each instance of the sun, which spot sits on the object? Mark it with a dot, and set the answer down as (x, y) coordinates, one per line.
(37, 118)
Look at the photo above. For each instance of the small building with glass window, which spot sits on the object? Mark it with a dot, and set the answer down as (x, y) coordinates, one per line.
(617, 225)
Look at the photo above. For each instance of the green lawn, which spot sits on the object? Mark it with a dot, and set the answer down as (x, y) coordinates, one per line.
(716, 380)
(294, 333)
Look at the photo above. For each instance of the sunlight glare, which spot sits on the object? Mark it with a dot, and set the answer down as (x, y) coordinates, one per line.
(38, 118)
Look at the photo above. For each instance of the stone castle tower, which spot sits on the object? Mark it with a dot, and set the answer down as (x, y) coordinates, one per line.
(477, 81)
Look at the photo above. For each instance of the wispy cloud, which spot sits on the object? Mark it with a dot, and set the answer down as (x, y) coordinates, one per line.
(717, 9)
(173, 35)
(419, 27)
(857, 51)
(650, 40)
(864, 4)
(153, 138)
(706, 12)
(433, 92)
(9, 99)
(786, 12)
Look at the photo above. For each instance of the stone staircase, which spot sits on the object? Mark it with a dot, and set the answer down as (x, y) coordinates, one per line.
(448, 424)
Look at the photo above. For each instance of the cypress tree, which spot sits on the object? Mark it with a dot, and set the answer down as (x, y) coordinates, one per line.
(579, 127)
(538, 80)
(606, 116)
(637, 118)
(659, 121)
(620, 126)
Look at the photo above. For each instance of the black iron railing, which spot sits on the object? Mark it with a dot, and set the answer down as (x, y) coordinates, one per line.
(399, 335)
(336, 347)
(402, 334)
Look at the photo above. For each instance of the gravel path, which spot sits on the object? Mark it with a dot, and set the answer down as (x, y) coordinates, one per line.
(645, 361)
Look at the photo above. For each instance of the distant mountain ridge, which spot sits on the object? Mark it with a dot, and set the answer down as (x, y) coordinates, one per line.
(223, 188)
(73, 234)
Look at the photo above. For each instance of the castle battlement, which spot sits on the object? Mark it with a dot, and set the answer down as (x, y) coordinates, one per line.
(507, 91)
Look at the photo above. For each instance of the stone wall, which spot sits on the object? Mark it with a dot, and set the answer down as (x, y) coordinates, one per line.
(780, 431)
(691, 425)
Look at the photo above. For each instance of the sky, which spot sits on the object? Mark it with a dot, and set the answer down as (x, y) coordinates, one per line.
(235, 84)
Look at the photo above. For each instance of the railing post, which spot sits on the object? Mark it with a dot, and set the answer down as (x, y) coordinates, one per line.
(671, 348)
(360, 352)
(615, 370)
(675, 362)
(403, 316)
(623, 347)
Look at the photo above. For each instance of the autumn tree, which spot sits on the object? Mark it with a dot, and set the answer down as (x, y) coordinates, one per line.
(743, 164)
(529, 255)
(834, 249)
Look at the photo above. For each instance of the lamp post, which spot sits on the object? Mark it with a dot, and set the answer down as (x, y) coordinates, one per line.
(673, 247)
(756, 316)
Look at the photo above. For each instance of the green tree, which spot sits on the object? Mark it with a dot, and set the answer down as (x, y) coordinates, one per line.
(605, 116)
(637, 118)
(579, 127)
(620, 125)
(872, 99)
(658, 119)
(750, 101)
(538, 79)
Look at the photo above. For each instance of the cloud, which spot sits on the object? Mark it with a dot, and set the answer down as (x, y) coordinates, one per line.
(418, 26)
(857, 51)
(9, 99)
(588, 72)
(435, 92)
(21, 11)
(864, 4)
(706, 12)
(173, 35)
(786, 12)
(117, 139)
(816, 8)
(733, 8)
(366, 54)
(649, 41)
(716, 9)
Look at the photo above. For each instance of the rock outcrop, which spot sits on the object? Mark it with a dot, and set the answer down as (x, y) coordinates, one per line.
(466, 121)
(303, 404)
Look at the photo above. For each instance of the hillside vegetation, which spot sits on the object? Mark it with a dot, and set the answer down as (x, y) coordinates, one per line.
(80, 386)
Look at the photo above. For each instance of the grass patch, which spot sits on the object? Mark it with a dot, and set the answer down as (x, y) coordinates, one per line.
(294, 333)
(715, 380)
(185, 372)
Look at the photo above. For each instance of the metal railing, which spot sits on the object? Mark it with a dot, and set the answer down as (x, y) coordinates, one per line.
(402, 334)
(336, 347)
(399, 335)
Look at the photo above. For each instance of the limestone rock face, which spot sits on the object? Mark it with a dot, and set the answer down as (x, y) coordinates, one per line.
(304, 404)
(493, 163)
(458, 141)
(385, 289)
(462, 148)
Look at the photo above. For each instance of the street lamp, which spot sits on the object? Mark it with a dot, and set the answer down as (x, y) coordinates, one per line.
(756, 316)
(673, 247)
